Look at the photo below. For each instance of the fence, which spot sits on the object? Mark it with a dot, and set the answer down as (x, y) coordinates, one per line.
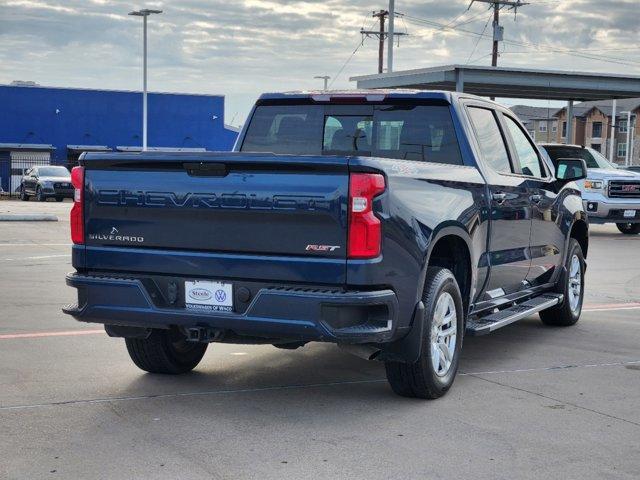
(13, 166)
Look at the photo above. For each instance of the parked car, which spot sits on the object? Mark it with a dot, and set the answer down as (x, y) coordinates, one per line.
(610, 194)
(390, 223)
(46, 182)
(634, 168)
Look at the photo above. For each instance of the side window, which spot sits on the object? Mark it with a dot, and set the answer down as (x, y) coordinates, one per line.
(492, 147)
(527, 155)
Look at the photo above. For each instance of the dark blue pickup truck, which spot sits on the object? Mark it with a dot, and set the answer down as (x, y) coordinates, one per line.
(390, 223)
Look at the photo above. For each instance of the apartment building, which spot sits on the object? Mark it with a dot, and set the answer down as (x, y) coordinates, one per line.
(539, 122)
(593, 128)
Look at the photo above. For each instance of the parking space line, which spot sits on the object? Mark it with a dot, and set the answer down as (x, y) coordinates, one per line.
(285, 387)
(557, 367)
(39, 257)
(559, 401)
(35, 244)
(628, 306)
(12, 336)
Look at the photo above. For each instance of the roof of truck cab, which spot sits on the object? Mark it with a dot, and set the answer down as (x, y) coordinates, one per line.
(563, 145)
(390, 93)
(396, 93)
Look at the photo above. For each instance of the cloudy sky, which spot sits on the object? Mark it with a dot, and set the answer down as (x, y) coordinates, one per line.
(240, 48)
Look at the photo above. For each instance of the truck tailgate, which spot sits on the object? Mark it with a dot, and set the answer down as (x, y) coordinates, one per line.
(218, 202)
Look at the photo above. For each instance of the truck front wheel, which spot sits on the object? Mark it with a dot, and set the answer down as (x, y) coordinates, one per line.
(165, 351)
(629, 228)
(433, 373)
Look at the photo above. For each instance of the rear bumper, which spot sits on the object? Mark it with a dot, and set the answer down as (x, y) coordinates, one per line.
(297, 314)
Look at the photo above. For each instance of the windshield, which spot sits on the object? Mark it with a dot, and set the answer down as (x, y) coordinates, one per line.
(407, 132)
(592, 158)
(53, 172)
(601, 160)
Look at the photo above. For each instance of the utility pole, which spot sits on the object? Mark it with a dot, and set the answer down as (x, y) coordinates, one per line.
(497, 34)
(381, 14)
(392, 34)
(498, 31)
(382, 36)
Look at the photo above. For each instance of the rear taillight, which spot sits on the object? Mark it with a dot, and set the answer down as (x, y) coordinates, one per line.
(365, 235)
(77, 211)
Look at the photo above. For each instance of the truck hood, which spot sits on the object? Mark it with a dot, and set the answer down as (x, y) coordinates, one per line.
(611, 174)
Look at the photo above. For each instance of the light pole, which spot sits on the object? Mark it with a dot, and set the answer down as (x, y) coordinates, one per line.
(144, 13)
(326, 80)
(629, 153)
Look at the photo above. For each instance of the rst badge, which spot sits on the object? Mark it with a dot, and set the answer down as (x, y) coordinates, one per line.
(322, 248)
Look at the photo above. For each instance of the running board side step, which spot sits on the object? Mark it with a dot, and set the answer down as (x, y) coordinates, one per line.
(489, 323)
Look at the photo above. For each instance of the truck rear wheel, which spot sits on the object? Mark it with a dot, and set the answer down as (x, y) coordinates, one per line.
(568, 312)
(433, 373)
(629, 228)
(165, 351)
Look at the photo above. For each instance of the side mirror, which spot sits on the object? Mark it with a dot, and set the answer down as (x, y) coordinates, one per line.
(570, 169)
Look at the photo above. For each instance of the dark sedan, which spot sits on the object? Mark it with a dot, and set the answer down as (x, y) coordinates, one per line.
(45, 182)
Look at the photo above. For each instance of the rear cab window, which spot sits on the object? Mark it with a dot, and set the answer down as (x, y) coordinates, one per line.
(400, 131)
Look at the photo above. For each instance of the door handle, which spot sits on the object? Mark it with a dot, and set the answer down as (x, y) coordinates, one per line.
(536, 198)
(499, 197)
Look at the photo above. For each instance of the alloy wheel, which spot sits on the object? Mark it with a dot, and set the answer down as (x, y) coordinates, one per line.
(575, 284)
(444, 331)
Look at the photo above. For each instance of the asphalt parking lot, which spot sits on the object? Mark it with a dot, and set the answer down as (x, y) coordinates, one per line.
(530, 402)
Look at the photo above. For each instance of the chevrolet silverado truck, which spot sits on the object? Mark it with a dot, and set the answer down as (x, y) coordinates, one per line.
(390, 223)
(610, 194)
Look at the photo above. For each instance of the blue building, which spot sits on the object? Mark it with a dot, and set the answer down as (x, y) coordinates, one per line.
(41, 125)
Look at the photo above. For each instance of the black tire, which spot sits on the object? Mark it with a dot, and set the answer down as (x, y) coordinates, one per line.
(23, 195)
(564, 315)
(39, 196)
(58, 199)
(420, 379)
(165, 351)
(629, 228)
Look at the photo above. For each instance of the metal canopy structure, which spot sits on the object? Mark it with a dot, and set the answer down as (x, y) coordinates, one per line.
(32, 147)
(509, 82)
(88, 148)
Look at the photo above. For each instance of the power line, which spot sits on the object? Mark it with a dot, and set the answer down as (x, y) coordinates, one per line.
(478, 40)
(347, 61)
(575, 52)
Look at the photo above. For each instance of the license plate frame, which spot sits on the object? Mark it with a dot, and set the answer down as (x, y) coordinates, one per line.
(629, 214)
(208, 296)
